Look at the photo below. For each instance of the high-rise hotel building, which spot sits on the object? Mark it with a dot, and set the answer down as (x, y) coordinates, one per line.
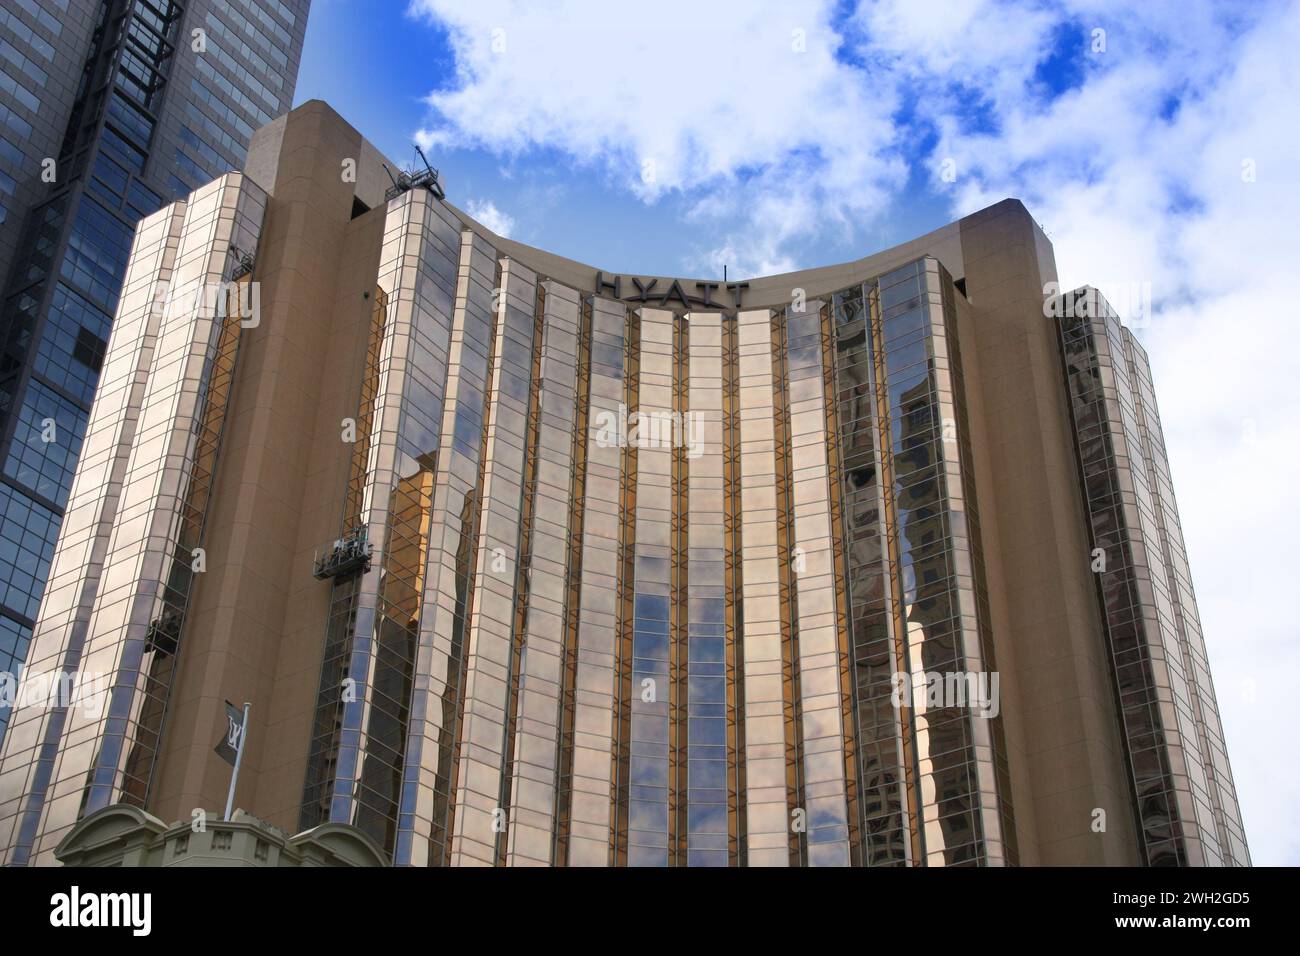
(109, 109)
(521, 561)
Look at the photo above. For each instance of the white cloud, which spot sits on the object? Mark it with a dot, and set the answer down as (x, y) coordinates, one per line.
(1135, 172)
(486, 212)
(1133, 193)
(708, 99)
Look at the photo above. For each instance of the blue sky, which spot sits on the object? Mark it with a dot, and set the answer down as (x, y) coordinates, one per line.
(581, 210)
(1155, 143)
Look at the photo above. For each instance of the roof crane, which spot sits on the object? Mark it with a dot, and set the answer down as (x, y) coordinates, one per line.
(406, 180)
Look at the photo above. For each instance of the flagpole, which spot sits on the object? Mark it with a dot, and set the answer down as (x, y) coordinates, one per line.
(239, 756)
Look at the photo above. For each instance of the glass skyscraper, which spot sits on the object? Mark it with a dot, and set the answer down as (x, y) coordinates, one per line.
(520, 562)
(110, 109)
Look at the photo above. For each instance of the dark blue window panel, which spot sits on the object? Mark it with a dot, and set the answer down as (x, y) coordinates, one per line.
(14, 640)
(111, 175)
(119, 147)
(28, 531)
(98, 248)
(73, 343)
(46, 467)
(134, 125)
(142, 201)
(179, 187)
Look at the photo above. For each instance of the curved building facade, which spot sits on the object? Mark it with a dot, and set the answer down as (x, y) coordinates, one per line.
(524, 562)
